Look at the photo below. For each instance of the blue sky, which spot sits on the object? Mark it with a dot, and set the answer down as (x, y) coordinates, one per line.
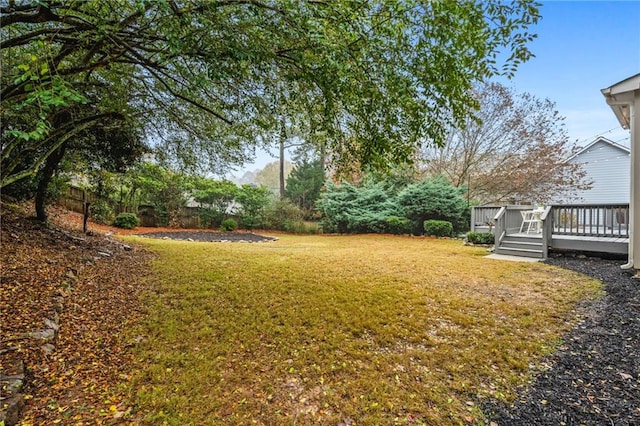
(582, 47)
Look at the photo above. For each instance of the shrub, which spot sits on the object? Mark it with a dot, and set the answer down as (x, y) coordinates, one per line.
(253, 201)
(302, 227)
(435, 199)
(480, 237)
(101, 212)
(229, 225)
(126, 221)
(348, 208)
(398, 225)
(209, 218)
(438, 228)
(281, 215)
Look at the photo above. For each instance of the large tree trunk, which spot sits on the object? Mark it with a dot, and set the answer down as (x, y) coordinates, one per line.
(50, 167)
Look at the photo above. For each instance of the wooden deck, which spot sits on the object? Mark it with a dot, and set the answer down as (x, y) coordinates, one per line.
(614, 245)
(588, 228)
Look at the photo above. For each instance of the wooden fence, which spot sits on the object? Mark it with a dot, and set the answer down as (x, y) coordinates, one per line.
(74, 199)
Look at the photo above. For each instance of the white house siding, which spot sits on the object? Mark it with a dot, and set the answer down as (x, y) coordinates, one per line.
(608, 167)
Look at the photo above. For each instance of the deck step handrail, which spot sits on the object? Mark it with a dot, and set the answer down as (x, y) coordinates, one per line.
(500, 224)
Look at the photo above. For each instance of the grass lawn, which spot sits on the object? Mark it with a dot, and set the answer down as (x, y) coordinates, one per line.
(351, 330)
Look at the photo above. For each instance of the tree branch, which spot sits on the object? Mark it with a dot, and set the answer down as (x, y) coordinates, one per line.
(71, 129)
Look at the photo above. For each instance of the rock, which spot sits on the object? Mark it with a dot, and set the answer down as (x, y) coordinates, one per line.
(9, 349)
(58, 304)
(46, 334)
(48, 348)
(123, 246)
(13, 369)
(104, 254)
(139, 339)
(11, 383)
(11, 415)
(52, 324)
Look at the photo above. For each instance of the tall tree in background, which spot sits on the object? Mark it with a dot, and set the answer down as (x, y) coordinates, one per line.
(304, 184)
(374, 77)
(513, 150)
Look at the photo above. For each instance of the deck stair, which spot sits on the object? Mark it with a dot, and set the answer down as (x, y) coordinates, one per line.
(521, 245)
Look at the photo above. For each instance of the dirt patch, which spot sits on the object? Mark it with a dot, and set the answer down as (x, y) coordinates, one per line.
(594, 379)
(72, 220)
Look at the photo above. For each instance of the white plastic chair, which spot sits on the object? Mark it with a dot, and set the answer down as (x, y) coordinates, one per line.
(528, 218)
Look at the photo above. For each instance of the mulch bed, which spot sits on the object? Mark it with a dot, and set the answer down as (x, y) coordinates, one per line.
(594, 378)
(209, 236)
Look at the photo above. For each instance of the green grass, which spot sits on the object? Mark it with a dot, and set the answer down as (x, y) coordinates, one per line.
(321, 329)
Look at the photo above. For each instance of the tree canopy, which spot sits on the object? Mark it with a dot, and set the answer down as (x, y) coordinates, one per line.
(202, 80)
(514, 150)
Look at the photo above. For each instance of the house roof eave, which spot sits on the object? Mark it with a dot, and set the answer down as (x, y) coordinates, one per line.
(599, 139)
(620, 96)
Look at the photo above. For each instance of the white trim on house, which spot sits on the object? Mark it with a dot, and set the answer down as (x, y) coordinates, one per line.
(620, 98)
(599, 139)
(624, 99)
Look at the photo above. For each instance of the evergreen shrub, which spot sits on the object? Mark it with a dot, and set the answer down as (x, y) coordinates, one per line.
(398, 225)
(101, 212)
(126, 221)
(480, 237)
(434, 199)
(229, 225)
(438, 228)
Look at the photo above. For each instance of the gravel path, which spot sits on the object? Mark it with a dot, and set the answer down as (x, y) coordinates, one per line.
(595, 376)
(246, 237)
